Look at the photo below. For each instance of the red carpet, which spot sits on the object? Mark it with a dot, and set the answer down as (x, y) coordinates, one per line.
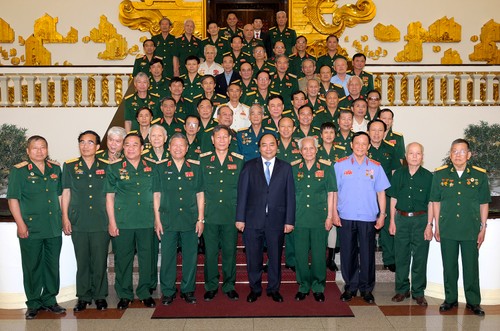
(221, 306)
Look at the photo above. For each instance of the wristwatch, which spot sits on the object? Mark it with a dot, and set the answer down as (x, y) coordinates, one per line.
(202, 221)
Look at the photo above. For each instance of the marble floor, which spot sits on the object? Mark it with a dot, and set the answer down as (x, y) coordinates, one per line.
(384, 315)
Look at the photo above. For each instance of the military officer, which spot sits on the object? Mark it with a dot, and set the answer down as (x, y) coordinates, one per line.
(220, 170)
(191, 80)
(143, 63)
(114, 142)
(84, 218)
(344, 135)
(141, 98)
(179, 217)
(248, 138)
(186, 45)
(395, 138)
(237, 53)
(305, 129)
(169, 121)
(331, 112)
(461, 196)
(249, 41)
(33, 195)
(157, 83)
(281, 32)
(358, 65)
(183, 106)
(283, 82)
(232, 28)
(373, 98)
(332, 45)
(300, 55)
(214, 38)
(192, 127)
(262, 94)
(411, 222)
(165, 47)
(315, 187)
(247, 82)
(129, 197)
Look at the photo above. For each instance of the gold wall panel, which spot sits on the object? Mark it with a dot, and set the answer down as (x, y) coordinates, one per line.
(387, 33)
(371, 54)
(487, 49)
(116, 44)
(45, 29)
(145, 15)
(444, 30)
(412, 51)
(451, 57)
(36, 53)
(7, 34)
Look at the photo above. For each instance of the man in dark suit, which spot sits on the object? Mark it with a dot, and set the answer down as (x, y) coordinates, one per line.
(223, 80)
(265, 212)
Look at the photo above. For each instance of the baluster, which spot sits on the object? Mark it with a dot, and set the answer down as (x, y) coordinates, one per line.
(71, 91)
(85, 90)
(57, 91)
(44, 88)
(30, 83)
(111, 90)
(125, 79)
(437, 89)
(476, 89)
(411, 89)
(17, 90)
(98, 90)
(4, 91)
(489, 89)
(450, 88)
(397, 89)
(384, 86)
(424, 97)
(464, 79)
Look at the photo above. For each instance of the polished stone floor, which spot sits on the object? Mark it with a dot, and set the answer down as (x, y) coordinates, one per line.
(384, 315)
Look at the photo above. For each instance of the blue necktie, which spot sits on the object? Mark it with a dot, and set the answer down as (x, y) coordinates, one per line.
(267, 172)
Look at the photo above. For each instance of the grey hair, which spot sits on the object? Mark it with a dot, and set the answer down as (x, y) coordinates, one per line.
(301, 141)
(117, 131)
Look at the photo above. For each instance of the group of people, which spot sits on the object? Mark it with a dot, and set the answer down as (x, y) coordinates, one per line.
(250, 134)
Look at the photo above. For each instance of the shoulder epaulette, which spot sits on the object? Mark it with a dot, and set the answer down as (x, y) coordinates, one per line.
(389, 143)
(99, 151)
(339, 147)
(239, 156)
(272, 28)
(226, 53)
(269, 128)
(183, 76)
(287, 112)
(321, 111)
(343, 159)
(322, 99)
(221, 95)
(223, 37)
(180, 120)
(21, 164)
(293, 163)
(149, 159)
(205, 39)
(245, 53)
(441, 167)
(155, 121)
(144, 152)
(73, 160)
(133, 132)
(54, 162)
(242, 129)
(373, 161)
(129, 96)
(479, 169)
(158, 57)
(317, 128)
(397, 133)
(139, 56)
(155, 95)
(367, 72)
(160, 162)
(197, 96)
(236, 81)
(179, 37)
(251, 93)
(338, 85)
(205, 154)
(328, 163)
(275, 93)
(189, 100)
(103, 160)
(115, 161)
(292, 75)
(209, 129)
(194, 161)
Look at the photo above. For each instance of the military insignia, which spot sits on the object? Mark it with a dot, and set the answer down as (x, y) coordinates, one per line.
(32, 174)
(78, 171)
(147, 169)
(189, 174)
(300, 175)
(30, 166)
(319, 174)
(232, 167)
(53, 176)
(369, 173)
(100, 172)
(348, 172)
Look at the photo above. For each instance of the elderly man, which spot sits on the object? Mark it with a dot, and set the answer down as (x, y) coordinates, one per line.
(281, 32)
(461, 196)
(185, 45)
(115, 137)
(341, 77)
(141, 98)
(358, 66)
(165, 47)
(210, 67)
(411, 224)
(332, 54)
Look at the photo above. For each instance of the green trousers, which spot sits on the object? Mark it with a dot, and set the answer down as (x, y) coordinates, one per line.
(91, 252)
(223, 237)
(409, 244)
(310, 277)
(40, 261)
(386, 241)
(154, 264)
(290, 249)
(168, 271)
(470, 270)
(124, 246)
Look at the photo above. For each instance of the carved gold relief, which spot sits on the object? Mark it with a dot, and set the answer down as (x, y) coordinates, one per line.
(451, 57)
(387, 33)
(318, 48)
(436, 49)
(7, 34)
(372, 54)
(487, 49)
(412, 51)
(417, 88)
(45, 29)
(146, 15)
(116, 44)
(36, 53)
(444, 30)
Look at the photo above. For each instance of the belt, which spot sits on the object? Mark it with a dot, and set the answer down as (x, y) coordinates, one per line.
(411, 214)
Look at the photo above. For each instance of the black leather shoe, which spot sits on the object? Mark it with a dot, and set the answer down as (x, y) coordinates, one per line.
(347, 296)
(149, 302)
(300, 296)
(290, 267)
(390, 267)
(319, 296)
(253, 296)
(167, 300)
(31, 313)
(56, 309)
(476, 309)
(276, 296)
(101, 304)
(188, 297)
(445, 306)
(233, 295)
(368, 297)
(81, 305)
(123, 304)
(209, 295)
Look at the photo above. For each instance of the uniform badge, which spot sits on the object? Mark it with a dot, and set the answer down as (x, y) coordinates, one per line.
(319, 174)
(348, 172)
(369, 172)
(147, 169)
(53, 176)
(100, 172)
(232, 166)
(189, 174)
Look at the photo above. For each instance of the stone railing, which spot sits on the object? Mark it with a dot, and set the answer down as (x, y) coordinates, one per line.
(104, 86)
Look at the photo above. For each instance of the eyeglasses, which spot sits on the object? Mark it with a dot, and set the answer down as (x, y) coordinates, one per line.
(191, 125)
(461, 152)
(374, 99)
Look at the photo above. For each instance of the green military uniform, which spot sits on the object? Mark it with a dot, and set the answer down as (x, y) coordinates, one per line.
(412, 193)
(324, 116)
(327, 60)
(339, 140)
(255, 97)
(318, 106)
(248, 46)
(313, 132)
(267, 66)
(142, 64)
(104, 154)
(311, 188)
(217, 100)
(459, 225)
(133, 103)
(89, 225)
(159, 87)
(227, 33)
(398, 141)
(185, 48)
(194, 149)
(165, 48)
(205, 134)
(346, 102)
(178, 214)
(220, 183)
(295, 62)
(333, 155)
(133, 189)
(287, 36)
(191, 88)
(269, 125)
(176, 126)
(367, 79)
(331, 87)
(38, 196)
(240, 59)
(183, 108)
(284, 87)
(251, 87)
(221, 44)
(386, 155)
(248, 140)
(377, 115)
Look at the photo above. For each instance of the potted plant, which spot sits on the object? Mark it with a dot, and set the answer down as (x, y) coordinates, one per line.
(12, 151)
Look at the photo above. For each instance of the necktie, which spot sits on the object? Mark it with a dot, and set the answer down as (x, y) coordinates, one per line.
(257, 35)
(267, 172)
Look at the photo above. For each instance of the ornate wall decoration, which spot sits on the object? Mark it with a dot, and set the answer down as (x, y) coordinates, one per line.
(116, 44)
(45, 29)
(487, 49)
(387, 33)
(7, 34)
(444, 30)
(372, 54)
(145, 15)
(451, 57)
(36, 53)
(412, 51)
